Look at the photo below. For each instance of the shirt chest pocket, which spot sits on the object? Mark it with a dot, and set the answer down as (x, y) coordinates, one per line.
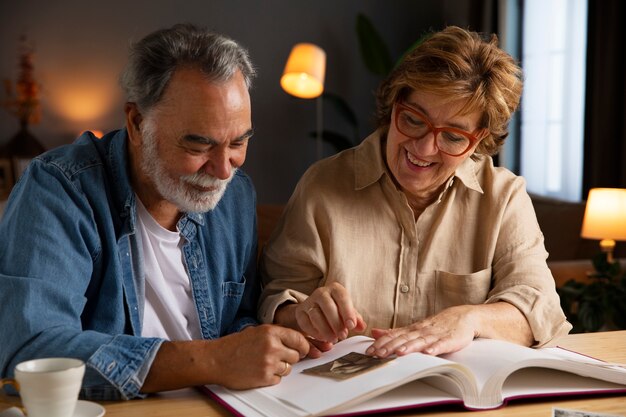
(454, 289)
(232, 293)
(233, 289)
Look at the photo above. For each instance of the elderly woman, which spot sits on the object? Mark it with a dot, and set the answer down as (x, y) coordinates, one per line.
(414, 235)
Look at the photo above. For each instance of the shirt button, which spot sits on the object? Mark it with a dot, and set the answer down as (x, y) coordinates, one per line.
(404, 288)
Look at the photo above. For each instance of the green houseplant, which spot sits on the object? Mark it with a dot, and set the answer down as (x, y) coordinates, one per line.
(377, 59)
(599, 304)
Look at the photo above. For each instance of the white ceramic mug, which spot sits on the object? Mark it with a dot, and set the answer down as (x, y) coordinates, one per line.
(48, 387)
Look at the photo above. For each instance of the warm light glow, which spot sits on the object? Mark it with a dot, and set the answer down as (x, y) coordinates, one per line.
(78, 104)
(305, 70)
(82, 100)
(96, 133)
(605, 214)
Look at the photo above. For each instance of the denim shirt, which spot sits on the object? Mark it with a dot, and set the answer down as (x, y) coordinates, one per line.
(71, 268)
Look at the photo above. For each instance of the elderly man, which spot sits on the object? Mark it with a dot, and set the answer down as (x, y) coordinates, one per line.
(136, 252)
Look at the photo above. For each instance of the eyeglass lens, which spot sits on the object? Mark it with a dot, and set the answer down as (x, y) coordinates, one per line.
(449, 140)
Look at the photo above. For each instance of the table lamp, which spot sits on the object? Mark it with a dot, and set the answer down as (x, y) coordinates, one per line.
(605, 218)
(303, 77)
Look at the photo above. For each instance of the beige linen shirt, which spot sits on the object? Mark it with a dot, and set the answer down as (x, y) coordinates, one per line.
(347, 222)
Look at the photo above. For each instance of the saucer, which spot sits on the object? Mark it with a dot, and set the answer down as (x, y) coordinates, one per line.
(88, 409)
(83, 409)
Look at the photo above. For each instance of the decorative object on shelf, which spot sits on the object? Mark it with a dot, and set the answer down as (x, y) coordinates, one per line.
(303, 77)
(601, 302)
(22, 100)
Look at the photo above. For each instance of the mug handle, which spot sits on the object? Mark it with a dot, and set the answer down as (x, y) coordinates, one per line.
(16, 385)
(10, 381)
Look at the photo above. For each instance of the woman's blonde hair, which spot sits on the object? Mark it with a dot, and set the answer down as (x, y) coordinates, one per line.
(458, 64)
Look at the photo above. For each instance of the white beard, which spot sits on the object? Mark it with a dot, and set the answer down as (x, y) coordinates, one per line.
(180, 191)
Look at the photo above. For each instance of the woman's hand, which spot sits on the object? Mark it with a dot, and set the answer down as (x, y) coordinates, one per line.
(452, 329)
(448, 331)
(328, 314)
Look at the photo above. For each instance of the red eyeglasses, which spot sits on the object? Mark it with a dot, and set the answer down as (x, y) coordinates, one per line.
(414, 124)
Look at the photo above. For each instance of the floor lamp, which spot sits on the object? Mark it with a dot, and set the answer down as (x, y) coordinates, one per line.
(303, 77)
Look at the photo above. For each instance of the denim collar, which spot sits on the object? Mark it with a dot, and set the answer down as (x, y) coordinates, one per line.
(118, 164)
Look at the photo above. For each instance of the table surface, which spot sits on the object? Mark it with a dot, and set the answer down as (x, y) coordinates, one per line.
(609, 346)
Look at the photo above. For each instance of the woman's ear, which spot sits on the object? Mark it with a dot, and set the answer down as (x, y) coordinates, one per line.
(133, 122)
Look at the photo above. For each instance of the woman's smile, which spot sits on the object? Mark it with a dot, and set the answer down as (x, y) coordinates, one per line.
(415, 162)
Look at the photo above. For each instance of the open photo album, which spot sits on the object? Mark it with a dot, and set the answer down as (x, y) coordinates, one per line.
(484, 375)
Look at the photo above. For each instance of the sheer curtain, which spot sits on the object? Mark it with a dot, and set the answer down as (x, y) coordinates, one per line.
(574, 104)
(552, 116)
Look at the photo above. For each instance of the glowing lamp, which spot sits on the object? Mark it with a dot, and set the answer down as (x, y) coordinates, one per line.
(605, 218)
(304, 72)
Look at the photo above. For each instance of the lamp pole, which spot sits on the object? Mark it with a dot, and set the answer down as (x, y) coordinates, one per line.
(303, 77)
(319, 126)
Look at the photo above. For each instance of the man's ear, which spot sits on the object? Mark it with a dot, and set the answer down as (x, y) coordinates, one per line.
(133, 122)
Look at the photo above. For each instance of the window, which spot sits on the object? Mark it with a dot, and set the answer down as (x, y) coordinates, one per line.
(552, 112)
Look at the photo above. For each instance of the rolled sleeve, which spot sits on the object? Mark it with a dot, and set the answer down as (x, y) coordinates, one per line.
(270, 304)
(546, 319)
(293, 262)
(522, 277)
(124, 363)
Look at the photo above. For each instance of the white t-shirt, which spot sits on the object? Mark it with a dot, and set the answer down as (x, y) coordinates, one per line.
(169, 312)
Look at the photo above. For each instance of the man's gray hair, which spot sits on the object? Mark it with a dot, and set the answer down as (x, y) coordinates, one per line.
(154, 59)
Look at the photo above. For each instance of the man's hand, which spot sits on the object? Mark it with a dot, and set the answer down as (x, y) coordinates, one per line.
(257, 356)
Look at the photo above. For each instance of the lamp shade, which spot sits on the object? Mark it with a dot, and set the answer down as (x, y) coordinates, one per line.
(304, 72)
(605, 214)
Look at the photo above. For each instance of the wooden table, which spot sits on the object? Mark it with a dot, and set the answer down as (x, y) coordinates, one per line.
(609, 346)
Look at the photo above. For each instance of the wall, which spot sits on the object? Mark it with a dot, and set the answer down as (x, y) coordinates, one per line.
(81, 46)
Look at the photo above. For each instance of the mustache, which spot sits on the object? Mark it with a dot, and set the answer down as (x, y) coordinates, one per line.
(208, 181)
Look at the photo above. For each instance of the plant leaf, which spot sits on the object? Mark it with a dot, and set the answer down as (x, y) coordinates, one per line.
(339, 141)
(614, 269)
(374, 51)
(600, 263)
(591, 316)
(413, 46)
(342, 107)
